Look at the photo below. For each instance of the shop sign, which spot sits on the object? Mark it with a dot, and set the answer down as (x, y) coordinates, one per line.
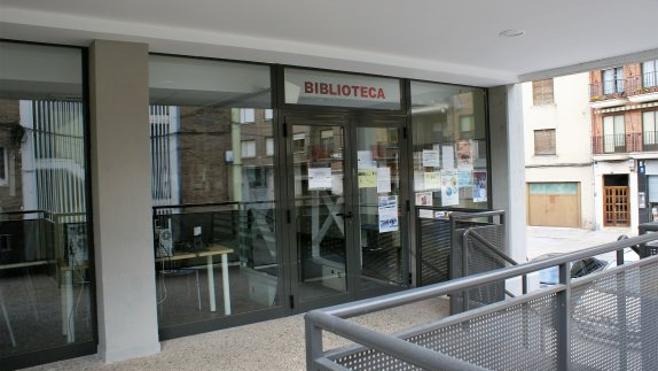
(323, 88)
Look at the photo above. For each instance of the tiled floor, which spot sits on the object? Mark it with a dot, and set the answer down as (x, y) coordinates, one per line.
(271, 345)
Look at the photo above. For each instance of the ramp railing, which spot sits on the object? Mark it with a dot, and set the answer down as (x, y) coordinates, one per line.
(607, 320)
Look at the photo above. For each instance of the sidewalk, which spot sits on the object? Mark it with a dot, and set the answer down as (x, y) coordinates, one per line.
(545, 240)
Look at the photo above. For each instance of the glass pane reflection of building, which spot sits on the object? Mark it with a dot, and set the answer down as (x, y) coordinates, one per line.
(449, 145)
(318, 166)
(45, 280)
(212, 154)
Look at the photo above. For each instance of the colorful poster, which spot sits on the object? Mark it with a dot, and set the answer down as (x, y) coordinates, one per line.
(479, 186)
(464, 154)
(448, 157)
(388, 214)
(367, 178)
(319, 178)
(383, 179)
(431, 158)
(449, 191)
(424, 199)
(464, 178)
(432, 179)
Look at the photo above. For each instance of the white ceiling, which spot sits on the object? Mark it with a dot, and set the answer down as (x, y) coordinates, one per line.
(452, 41)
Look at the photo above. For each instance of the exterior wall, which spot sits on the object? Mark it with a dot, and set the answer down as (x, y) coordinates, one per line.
(621, 162)
(570, 116)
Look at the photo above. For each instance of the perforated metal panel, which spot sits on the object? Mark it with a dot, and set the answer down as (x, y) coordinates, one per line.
(614, 321)
(434, 251)
(497, 341)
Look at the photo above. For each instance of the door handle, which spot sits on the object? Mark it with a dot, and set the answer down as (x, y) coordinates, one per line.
(345, 215)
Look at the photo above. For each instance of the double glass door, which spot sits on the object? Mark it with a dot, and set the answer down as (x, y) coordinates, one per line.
(347, 199)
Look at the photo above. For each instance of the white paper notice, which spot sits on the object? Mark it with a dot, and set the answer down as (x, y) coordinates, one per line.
(425, 214)
(319, 178)
(419, 181)
(337, 184)
(431, 158)
(448, 156)
(388, 214)
(432, 179)
(383, 179)
(364, 160)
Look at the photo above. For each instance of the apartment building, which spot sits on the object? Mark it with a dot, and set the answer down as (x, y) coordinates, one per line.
(558, 170)
(624, 105)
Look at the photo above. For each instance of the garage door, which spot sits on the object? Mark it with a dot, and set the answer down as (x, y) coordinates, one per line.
(554, 204)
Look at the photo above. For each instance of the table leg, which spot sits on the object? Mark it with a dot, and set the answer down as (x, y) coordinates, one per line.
(68, 306)
(6, 315)
(225, 285)
(211, 285)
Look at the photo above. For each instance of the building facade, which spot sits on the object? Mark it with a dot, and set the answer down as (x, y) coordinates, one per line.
(215, 193)
(624, 104)
(558, 170)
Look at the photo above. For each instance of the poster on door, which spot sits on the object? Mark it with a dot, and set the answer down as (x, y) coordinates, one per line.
(449, 191)
(389, 220)
(465, 155)
(479, 186)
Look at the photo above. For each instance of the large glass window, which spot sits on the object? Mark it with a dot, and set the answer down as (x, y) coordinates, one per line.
(449, 145)
(45, 280)
(649, 127)
(212, 148)
(614, 134)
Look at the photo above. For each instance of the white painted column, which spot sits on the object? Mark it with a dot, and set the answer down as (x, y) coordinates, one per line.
(121, 198)
(508, 164)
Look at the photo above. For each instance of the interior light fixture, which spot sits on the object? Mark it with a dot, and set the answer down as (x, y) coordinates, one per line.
(511, 33)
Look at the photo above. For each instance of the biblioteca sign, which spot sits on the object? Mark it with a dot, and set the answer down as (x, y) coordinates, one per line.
(324, 88)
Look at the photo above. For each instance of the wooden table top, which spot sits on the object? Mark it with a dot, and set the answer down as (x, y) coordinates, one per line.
(211, 250)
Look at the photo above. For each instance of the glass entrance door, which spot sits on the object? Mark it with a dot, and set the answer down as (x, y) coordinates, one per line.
(321, 215)
(345, 195)
(379, 237)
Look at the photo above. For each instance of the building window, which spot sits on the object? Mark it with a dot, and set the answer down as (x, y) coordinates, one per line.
(269, 146)
(613, 80)
(299, 142)
(614, 134)
(248, 149)
(542, 92)
(650, 73)
(649, 129)
(247, 115)
(545, 142)
(269, 114)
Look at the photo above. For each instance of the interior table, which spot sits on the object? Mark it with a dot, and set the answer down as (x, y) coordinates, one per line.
(209, 253)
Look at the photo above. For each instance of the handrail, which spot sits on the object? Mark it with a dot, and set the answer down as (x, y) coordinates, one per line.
(404, 350)
(209, 204)
(421, 293)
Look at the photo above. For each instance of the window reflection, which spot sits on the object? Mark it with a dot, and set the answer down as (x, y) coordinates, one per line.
(212, 153)
(449, 144)
(44, 253)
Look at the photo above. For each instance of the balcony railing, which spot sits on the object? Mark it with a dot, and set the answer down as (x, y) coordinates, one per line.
(618, 143)
(621, 88)
(608, 89)
(644, 84)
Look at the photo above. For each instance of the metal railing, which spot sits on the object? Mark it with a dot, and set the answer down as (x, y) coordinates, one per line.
(604, 321)
(617, 143)
(608, 89)
(644, 84)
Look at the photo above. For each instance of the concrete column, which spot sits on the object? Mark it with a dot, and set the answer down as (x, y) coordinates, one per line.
(121, 197)
(508, 163)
